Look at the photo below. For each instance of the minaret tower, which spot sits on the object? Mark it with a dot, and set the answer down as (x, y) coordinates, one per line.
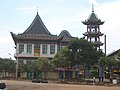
(93, 29)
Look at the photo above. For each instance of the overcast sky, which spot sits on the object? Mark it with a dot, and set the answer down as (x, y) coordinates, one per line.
(58, 15)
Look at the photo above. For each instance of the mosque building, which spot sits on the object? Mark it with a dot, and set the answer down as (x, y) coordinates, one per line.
(36, 41)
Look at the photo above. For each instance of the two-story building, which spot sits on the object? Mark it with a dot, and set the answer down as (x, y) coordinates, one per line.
(36, 41)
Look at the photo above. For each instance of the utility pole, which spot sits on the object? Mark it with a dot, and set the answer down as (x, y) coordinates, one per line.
(17, 66)
(17, 62)
(105, 44)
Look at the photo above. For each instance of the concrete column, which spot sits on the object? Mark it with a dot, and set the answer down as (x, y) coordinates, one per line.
(32, 49)
(56, 48)
(48, 49)
(25, 48)
(40, 48)
(17, 48)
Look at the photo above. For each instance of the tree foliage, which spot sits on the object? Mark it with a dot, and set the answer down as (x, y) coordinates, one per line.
(109, 64)
(84, 51)
(30, 66)
(7, 65)
(79, 51)
(61, 59)
(42, 65)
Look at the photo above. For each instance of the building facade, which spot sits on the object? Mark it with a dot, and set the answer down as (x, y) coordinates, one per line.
(36, 41)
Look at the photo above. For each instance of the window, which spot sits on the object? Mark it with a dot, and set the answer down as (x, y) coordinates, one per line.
(37, 50)
(21, 48)
(29, 48)
(58, 48)
(44, 49)
(52, 49)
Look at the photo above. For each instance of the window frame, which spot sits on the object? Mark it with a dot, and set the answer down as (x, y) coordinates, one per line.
(44, 49)
(21, 48)
(52, 49)
(29, 49)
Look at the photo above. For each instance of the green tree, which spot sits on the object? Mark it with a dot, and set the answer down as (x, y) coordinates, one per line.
(30, 66)
(7, 65)
(61, 59)
(118, 62)
(78, 52)
(85, 51)
(109, 64)
(44, 65)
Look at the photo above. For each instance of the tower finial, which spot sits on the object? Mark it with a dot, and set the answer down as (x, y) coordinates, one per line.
(37, 6)
(93, 8)
(37, 10)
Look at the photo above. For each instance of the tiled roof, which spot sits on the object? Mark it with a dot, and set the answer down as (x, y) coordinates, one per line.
(35, 36)
(93, 19)
(65, 34)
(113, 52)
(38, 31)
(37, 27)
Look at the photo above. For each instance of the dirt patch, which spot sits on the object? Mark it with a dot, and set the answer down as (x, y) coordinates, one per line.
(28, 85)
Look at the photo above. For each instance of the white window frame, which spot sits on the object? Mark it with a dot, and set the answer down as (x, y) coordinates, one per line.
(52, 50)
(44, 49)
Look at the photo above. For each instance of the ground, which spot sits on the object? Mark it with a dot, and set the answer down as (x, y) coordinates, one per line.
(28, 85)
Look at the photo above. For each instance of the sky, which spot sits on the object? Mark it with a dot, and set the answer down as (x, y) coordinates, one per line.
(58, 15)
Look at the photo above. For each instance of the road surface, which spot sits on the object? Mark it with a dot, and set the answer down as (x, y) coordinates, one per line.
(27, 85)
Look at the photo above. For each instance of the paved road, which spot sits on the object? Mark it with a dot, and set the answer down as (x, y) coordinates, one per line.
(27, 85)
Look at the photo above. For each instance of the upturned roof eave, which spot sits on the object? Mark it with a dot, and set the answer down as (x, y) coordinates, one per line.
(25, 37)
(13, 36)
(93, 22)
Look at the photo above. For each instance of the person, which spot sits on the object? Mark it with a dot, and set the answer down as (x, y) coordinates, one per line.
(94, 80)
(102, 79)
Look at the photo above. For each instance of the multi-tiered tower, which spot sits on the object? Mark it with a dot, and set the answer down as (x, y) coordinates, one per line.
(93, 29)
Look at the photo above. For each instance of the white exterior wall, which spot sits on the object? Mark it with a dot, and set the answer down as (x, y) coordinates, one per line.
(25, 54)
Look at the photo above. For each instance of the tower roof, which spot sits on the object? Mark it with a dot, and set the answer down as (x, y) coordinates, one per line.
(37, 27)
(93, 19)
